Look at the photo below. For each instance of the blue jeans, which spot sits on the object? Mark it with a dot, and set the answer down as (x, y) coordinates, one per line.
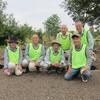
(74, 73)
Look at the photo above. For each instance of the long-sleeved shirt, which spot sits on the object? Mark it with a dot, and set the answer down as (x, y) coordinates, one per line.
(27, 53)
(47, 60)
(6, 60)
(88, 56)
(90, 39)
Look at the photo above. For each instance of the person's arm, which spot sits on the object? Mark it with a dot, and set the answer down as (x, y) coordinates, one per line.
(90, 40)
(5, 59)
(21, 57)
(42, 54)
(70, 58)
(63, 62)
(47, 60)
(57, 37)
(88, 56)
(27, 52)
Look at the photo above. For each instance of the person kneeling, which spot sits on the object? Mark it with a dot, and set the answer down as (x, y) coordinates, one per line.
(54, 59)
(13, 58)
(34, 55)
(79, 60)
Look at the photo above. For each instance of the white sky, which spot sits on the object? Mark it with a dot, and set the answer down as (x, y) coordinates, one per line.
(35, 12)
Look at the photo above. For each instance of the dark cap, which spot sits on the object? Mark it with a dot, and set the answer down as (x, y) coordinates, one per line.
(13, 40)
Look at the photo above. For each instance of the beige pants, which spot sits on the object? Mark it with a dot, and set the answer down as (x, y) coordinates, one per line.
(32, 65)
(13, 68)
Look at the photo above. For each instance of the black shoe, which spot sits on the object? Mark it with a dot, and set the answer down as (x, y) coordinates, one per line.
(51, 70)
(1, 66)
(38, 69)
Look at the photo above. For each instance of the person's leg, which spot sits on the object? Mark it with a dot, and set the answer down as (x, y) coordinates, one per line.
(70, 76)
(32, 66)
(51, 69)
(60, 70)
(85, 76)
(25, 65)
(10, 70)
(18, 70)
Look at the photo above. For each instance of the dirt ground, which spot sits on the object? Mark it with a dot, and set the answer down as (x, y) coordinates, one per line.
(33, 86)
(41, 86)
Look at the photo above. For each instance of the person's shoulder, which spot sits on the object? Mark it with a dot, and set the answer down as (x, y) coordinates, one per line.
(58, 34)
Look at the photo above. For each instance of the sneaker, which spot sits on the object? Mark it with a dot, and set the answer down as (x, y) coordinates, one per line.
(84, 79)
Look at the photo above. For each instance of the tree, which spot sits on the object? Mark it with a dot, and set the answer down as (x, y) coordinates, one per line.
(86, 10)
(2, 16)
(52, 25)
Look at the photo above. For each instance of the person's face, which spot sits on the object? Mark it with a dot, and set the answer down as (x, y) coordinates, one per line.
(79, 26)
(63, 29)
(35, 39)
(13, 45)
(56, 47)
(76, 41)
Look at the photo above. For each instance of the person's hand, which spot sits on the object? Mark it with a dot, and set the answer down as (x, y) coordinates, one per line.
(37, 63)
(56, 65)
(19, 66)
(84, 69)
(69, 70)
(7, 71)
(53, 65)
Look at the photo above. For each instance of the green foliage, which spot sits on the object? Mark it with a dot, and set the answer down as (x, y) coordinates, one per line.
(86, 10)
(10, 27)
(52, 25)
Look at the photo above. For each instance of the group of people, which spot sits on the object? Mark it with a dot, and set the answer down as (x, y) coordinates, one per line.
(68, 53)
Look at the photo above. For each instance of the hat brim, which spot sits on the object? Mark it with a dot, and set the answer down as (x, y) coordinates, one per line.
(56, 43)
(73, 36)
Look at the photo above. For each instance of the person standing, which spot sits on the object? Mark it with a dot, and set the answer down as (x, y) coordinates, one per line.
(64, 37)
(85, 33)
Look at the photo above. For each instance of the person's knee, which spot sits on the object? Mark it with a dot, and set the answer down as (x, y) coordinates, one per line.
(88, 74)
(11, 67)
(68, 77)
(18, 70)
(25, 63)
(32, 66)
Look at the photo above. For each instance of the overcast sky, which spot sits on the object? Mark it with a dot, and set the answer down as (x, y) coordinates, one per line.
(35, 12)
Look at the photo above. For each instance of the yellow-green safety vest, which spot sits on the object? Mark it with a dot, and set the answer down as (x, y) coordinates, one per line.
(84, 37)
(79, 57)
(55, 58)
(34, 54)
(13, 56)
(65, 41)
